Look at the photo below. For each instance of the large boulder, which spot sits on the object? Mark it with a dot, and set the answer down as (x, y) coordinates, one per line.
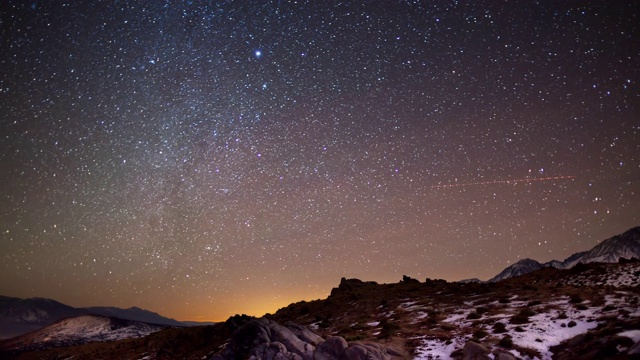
(357, 351)
(264, 339)
(304, 334)
(474, 351)
(331, 349)
(503, 355)
(293, 343)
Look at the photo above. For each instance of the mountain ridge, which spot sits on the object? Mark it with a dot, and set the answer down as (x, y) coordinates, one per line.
(80, 330)
(625, 245)
(542, 314)
(20, 316)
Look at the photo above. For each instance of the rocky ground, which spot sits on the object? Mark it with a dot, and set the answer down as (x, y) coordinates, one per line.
(588, 312)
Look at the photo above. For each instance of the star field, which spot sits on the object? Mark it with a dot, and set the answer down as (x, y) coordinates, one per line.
(201, 159)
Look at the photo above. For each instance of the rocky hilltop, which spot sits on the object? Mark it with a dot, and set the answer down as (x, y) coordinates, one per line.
(265, 339)
(590, 311)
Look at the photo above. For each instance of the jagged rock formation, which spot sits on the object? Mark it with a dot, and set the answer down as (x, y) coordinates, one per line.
(264, 339)
(350, 285)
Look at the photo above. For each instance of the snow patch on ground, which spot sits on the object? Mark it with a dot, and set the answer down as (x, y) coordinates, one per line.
(557, 320)
(631, 334)
(432, 349)
(545, 331)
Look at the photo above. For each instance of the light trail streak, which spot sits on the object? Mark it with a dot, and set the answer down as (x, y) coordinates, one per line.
(513, 182)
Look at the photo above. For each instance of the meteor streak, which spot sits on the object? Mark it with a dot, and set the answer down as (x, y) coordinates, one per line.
(514, 181)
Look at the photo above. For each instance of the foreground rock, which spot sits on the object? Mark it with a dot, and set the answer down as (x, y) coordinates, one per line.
(264, 339)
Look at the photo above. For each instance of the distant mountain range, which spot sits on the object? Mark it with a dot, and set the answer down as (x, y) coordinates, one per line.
(20, 316)
(623, 246)
(55, 324)
(80, 330)
(587, 312)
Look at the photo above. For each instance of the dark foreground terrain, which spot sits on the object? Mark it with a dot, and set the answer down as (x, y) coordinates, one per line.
(591, 311)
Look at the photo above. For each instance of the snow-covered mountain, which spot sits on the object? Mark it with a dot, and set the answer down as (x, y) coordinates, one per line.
(572, 260)
(20, 316)
(522, 267)
(80, 330)
(625, 245)
(134, 313)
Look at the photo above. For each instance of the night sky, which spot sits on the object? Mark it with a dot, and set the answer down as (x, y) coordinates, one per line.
(201, 159)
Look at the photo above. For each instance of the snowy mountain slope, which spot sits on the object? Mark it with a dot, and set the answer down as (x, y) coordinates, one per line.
(573, 259)
(522, 267)
(625, 245)
(80, 330)
(134, 313)
(20, 316)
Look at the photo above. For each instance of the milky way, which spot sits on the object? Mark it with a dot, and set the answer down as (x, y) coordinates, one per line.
(201, 159)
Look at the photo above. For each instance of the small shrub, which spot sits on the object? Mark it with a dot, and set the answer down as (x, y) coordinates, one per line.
(355, 337)
(562, 316)
(519, 329)
(473, 316)
(571, 324)
(499, 328)
(581, 307)
(527, 312)
(479, 334)
(522, 317)
(519, 319)
(576, 299)
(325, 323)
(447, 327)
(504, 300)
(506, 342)
(534, 303)
(481, 310)
(389, 329)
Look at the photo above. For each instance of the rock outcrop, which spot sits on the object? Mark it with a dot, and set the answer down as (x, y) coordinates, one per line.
(264, 339)
(351, 285)
(475, 351)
